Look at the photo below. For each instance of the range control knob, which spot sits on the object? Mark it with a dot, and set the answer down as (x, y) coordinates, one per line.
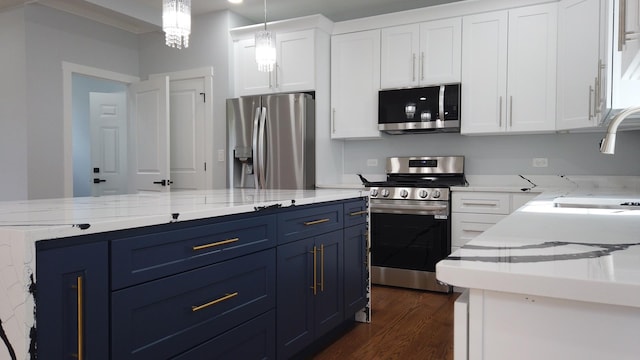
(435, 194)
(423, 193)
(404, 193)
(385, 192)
(374, 192)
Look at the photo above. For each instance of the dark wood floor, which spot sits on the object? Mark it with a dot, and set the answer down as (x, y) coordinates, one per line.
(406, 324)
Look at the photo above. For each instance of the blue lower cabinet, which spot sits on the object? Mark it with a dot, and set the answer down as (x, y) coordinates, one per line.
(166, 317)
(253, 340)
(310, 291)
(356, 273)
(72, 302)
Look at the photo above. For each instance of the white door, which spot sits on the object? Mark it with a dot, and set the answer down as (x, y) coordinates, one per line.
(400, 60)
(149, 135)
(249, 81)
(187, 134)
(296, 61)
(440, 51)
(108, 123)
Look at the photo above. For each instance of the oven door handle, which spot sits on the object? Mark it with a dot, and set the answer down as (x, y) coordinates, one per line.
(410, 209)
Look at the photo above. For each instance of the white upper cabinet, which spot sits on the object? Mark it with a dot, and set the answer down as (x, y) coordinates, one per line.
(421, 54)
(629, 38)
(355, 81)
(295, 65)
(582, 60)
(509, 71)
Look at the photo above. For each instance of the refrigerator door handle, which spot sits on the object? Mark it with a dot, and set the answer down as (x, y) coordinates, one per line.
(262, 149)
(255, 154)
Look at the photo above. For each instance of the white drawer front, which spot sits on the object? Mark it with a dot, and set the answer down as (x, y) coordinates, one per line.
(465, 227)
(481, 202)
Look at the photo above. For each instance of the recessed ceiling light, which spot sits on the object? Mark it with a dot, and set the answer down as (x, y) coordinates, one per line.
(235, 1)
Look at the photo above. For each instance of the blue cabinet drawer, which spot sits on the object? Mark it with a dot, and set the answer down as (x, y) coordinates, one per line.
(309, 221)
(255, 339)
(138, 259)
(355, 212)
(166, 317)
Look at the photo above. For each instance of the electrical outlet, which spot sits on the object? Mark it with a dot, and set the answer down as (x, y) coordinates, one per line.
(540, 162)
(372, 162)
(221, 155)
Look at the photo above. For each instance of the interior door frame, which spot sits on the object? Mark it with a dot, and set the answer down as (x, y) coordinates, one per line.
(68, 69)
(205, 73)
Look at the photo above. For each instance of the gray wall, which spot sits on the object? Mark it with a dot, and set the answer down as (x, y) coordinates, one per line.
(53, 37)
(82, 86)
(13, 124)
(568, 154)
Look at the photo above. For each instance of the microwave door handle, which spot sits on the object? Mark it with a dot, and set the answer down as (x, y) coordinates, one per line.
(255, 154)
(441, 103)
(262, 147)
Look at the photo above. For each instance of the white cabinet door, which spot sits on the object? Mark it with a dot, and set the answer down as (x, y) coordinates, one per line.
(355, 81)
(421, 54)
(578, 63)
(295, 54)
(630, 59)
(249, 81)
(531, 80)
(400, 56)
(440, 51)
(484, 72)
(509, 71)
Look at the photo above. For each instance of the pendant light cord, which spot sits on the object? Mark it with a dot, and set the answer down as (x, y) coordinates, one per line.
(265, 15)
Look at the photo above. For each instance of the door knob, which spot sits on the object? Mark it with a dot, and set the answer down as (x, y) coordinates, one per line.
(98, 181)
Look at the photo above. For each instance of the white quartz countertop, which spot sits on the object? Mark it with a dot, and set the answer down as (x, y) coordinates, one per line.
(578, 253)
(47, 219)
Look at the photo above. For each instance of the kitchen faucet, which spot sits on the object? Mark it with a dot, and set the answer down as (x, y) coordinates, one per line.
(608, 143)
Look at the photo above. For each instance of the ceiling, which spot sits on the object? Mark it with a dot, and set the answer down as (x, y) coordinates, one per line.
(336, 10)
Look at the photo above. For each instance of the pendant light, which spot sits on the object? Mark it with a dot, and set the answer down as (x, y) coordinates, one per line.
(265, 46)
(176, 22)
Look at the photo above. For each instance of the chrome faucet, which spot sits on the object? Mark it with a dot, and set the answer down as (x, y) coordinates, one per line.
(608, 143)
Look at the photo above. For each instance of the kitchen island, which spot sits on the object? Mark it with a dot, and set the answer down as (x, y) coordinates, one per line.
(95, 269)
(557, 279)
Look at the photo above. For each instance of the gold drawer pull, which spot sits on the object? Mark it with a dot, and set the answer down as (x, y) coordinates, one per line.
(80, 325)
(223, 242)
(224, 298)
(358, 213)
(316, 222)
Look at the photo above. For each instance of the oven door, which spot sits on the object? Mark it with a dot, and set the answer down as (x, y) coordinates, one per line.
(408, 238)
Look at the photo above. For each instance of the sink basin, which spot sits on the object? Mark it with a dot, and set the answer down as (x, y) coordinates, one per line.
(597, 203)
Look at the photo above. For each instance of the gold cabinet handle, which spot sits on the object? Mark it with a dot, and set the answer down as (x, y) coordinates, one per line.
(358, 213)
(80, 318)
(224, 298)
(316, 222)
(315, 275)
(223, 242)
(322, 268)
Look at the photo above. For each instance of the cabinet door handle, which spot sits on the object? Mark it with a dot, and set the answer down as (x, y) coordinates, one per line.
(500, 112)
(322, 267)
(276, 75)
(590, 103)
(479, 203)
(316, 222)
(333, 120)
(510, 111)
(216, 301)
(223, 242)
(315, 273)
(358, 213)
(80, 316)
(422, 67)
(413, 66)
(622, 17)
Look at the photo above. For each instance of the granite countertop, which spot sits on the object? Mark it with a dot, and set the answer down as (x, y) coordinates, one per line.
(54, 218)
(576, 253)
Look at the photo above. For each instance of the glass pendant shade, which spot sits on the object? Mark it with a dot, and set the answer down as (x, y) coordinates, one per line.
(176, 22)
(265, 50)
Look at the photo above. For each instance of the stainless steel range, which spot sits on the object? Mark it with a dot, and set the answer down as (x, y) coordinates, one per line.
(411, 220)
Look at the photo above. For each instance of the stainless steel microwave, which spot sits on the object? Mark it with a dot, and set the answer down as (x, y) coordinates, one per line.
(420, 110)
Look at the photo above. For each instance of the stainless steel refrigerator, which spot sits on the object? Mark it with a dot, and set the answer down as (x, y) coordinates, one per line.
(271, 141)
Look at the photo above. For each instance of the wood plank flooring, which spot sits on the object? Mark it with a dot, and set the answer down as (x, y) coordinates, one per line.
(406, 324)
